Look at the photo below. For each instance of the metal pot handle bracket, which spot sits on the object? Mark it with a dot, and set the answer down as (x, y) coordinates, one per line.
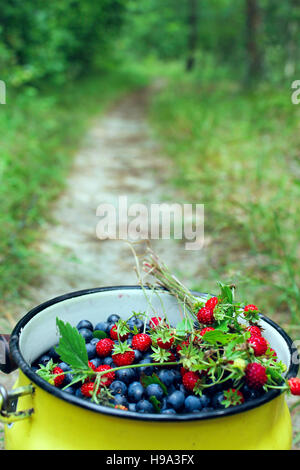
(9, 399)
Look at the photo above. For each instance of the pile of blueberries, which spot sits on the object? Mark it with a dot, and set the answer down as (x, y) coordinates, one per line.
(127, 388)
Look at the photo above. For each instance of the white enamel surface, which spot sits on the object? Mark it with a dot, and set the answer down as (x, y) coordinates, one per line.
(40, 333)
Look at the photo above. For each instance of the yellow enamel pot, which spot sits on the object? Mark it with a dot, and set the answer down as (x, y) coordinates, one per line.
(63, 421)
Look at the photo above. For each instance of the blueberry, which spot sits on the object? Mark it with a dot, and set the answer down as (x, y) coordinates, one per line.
(91, 350)
(154, 390)
(182, 389)
(217, 401)
(125, 375)
(148, 370)
(68, 379)
(171, 389)
(214, 389)
(43, 360)
(207, 409)
(250, 393)
(176, 400)
(53, 354)
(94, 341)
(144, 406)
(120, 400)
(131, 406)
(71, 390)
(192, 403)
(168, 411)
(134, 321)
(118, 387)
(102, 326)
(108, 361)
(166, 376)
(138, 355)
(205, 400)
(65, 367)
(177, 376)
(97, 361)
(86, 333)
(79, 394)
(135, 391)
(113, 319)
(85, 324)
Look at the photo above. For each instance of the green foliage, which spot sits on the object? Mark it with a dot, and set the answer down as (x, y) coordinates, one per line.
(71, 347)
(236, 151)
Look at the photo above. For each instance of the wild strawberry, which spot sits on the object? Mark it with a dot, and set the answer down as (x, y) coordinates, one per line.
(154, 322)
(107, 378)
(251, 308)
(255, 375)
(104, 347)
(87, 389)
(233, 397)
(205, 330)
(92, 366)
(165, 344)
(205, 316)
(254, 330)
(211, 303)
(114, 334)
(182, 344)
(123, 359)
(189, 380)
(272, 353)
(294, 384)
(121, 407)
(183, 371)
(141, 341)
(259, 345)
(58, 380)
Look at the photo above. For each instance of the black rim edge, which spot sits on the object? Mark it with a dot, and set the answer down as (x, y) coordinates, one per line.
(26, 369)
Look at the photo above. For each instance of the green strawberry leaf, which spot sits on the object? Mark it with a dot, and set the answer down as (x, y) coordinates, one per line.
(100, 334)
(153, 379)
(71, 347)
(156, 403)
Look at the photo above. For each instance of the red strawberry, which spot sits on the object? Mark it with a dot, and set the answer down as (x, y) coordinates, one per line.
(87, 389)
(189, 380)
(108, 378)
(60, 378)
(206, 316)
(92, 366)
(154, 322)
(273, 354)
(104, 347)
(114, 334)
(172, 357)
(294, 384)
(141, 341)
(180, 345)
(255, 375)
(254, 330)
(205, 330)
(251, 308)
(183, 371)
(259, 345)
(123, 359)
(211, 303)
(165, 344)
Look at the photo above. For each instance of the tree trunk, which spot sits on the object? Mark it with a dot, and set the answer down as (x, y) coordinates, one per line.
(253, 22)
(192, 34)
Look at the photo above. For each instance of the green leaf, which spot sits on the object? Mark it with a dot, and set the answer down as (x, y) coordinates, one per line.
(184, 326)
(217, 336)
(100, 334)
(71, 347)
(156, 403)
(153, 379)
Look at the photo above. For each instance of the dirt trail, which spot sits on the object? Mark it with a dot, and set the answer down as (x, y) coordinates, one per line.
(118, 157)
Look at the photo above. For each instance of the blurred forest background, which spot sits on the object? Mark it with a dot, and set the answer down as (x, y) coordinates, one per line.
(224, 116)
